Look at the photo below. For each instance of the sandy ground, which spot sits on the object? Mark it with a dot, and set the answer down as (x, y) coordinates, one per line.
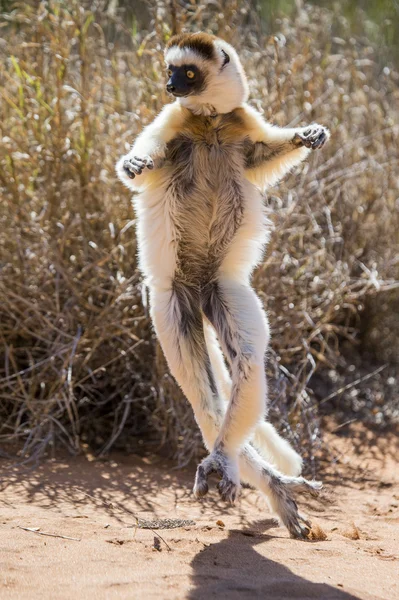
(246, 555)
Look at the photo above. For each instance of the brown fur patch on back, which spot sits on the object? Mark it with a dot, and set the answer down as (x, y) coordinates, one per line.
(202, 43)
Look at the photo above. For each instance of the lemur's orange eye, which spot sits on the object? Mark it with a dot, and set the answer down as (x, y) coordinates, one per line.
(190, 74)
(170, 72)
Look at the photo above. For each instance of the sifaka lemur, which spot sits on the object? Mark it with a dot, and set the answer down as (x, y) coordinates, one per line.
(200, 169)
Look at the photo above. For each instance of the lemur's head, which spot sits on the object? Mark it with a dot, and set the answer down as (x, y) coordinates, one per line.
(205, 73)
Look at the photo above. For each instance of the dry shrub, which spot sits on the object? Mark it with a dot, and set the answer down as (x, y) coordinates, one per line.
(317, 534)
(80, 365)
(352, 532)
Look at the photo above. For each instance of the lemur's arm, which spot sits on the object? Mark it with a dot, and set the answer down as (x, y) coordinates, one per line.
(271, 152)
(147, 154)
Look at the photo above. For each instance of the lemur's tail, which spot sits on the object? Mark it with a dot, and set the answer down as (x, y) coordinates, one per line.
(276, 450)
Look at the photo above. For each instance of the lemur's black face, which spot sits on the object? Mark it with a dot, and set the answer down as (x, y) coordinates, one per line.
(185, 80)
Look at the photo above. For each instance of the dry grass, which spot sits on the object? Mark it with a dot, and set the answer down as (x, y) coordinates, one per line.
(79, 364)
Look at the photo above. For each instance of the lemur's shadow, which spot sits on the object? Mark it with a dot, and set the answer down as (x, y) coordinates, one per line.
(233, 569)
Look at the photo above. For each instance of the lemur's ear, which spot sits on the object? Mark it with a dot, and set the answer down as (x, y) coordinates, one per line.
(226, 58)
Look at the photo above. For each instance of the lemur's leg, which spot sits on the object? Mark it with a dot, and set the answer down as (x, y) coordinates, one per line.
(220, 370)
(178, 323)
(177, 318)
(254, 462)
(270, 445)
(236, 313)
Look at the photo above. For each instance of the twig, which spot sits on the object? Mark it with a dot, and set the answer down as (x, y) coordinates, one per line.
(343, 425)
(352, 384)
(56, 535)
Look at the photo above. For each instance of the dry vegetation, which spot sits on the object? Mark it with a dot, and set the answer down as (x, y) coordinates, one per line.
(79, 364)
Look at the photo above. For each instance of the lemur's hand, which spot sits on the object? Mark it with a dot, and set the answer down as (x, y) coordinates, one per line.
(135, 165)
(314, 137)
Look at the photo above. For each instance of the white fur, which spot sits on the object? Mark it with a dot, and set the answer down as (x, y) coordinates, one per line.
(247, 248)
(184, 56)
(276, 450)
(249, 322)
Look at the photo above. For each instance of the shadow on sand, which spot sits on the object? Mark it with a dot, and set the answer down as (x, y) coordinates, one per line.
(233, 569)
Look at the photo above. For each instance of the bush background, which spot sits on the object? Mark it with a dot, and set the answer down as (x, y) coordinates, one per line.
(79, 364)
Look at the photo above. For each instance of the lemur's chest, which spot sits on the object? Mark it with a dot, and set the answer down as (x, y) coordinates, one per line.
(205, 145)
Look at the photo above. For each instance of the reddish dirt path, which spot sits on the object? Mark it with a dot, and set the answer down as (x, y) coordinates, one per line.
(249, 557)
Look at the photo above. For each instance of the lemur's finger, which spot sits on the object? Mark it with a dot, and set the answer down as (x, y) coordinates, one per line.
(301, 140)
(146, 161)
(140, 162)
(307, 141)
(128, 168)
(323, 139)
(132, 164)
(307, 138)
(319, 141)
(149, 162)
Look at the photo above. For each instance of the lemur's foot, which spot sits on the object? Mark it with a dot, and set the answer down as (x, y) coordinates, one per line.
(135, 165)
(314, 137)
(286, 507)
(226, 468)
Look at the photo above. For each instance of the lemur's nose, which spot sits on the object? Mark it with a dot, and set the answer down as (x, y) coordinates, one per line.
(170, 87)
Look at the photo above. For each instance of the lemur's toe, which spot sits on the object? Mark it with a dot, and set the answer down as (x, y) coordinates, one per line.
(228, 490)
(298, 527)
(304, 486)
(313, 488)
(200, 485)
(298, 531)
